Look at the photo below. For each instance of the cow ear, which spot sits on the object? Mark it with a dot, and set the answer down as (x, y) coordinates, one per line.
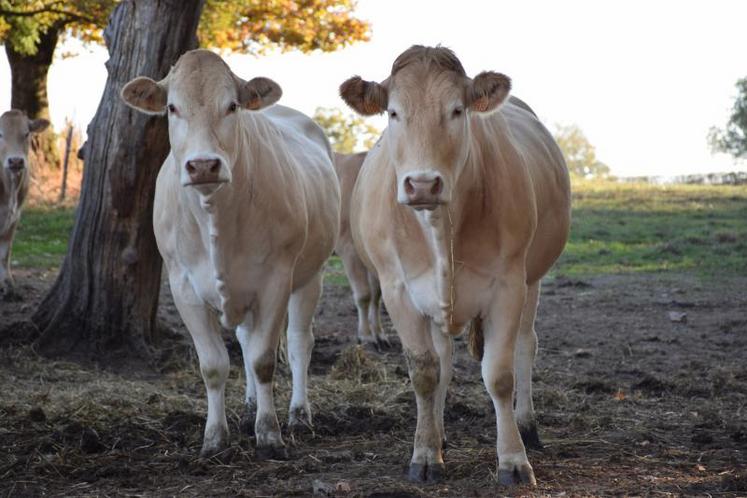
(365, 97)
(487, 91)
(38, 125)
(259, 93)
(145, 95)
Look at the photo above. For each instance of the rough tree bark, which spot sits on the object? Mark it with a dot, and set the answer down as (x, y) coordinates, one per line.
(28, 91)
(103, 304)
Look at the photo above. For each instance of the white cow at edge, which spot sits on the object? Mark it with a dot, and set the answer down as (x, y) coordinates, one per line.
(246, 213)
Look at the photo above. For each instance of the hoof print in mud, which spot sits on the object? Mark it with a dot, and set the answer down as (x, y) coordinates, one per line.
(520, 474)
(430, 473)
(271, 453)
(530, 437)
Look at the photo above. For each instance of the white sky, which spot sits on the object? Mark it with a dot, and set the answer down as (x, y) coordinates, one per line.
(645, 80)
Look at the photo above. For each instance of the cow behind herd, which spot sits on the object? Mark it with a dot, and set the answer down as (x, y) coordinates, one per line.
(453, 217)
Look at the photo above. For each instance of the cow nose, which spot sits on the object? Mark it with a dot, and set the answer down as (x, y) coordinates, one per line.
(16, 164)
(424, 191)
(203, 171)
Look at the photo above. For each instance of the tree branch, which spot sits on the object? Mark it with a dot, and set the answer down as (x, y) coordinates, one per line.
(49, 9)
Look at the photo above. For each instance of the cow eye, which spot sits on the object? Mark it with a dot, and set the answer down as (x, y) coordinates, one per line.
(172, 108)
(233, 107)
(457, 112)
(393, 114)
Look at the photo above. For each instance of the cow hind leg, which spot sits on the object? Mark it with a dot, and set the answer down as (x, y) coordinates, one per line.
(374, 311)
(357, 277)
(250, 393)
(301, 310)
(526, 349)
(214, 365)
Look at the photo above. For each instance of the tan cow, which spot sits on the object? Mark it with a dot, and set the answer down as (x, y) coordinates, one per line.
(364, 283)
(246, 213)
(15, 133)
(461, 208)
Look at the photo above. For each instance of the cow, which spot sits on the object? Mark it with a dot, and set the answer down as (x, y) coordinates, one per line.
(364, 283)
(461, 208)
(246, 213)
(15, 134)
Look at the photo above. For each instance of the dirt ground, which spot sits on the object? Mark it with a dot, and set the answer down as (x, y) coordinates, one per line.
(629, 402)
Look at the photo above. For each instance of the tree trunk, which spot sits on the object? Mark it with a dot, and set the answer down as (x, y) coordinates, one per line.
(103, 305)
(29, 91)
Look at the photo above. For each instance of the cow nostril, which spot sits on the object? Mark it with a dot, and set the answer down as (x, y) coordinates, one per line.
(215, 166)
(409, 188)
(438, 185)
(191, 168)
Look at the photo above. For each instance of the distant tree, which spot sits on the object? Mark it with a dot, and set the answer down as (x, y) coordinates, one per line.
(31, 30)
(733, 138)
(347, 133)
(579, 154)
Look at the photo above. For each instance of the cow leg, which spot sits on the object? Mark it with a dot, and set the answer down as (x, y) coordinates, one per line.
(498, 374)
(374, 311)
(206, 333)
(301, 308)
(357, 276)
(250, 394)
(526, 349)
(427, 463)
(444, 346)
(263, 345)
(6, 241)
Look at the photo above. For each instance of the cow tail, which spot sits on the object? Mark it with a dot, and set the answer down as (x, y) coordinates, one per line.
(476, 339)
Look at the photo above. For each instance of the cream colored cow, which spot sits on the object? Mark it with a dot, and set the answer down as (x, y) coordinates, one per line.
(246, 213)
(15, 133)
(364, 283)
(461, 208)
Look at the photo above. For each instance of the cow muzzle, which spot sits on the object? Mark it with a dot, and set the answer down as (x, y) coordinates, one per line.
(16, 165)
(207, 172)
(422, 190)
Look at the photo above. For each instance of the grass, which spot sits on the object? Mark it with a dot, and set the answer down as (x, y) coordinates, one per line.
(622, 228)
(41, 239)
(617, 228)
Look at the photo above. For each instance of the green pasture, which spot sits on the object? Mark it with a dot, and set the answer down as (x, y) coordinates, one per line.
(617, 228)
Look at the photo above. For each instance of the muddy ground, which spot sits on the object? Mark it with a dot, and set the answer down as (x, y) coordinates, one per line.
(629, 403)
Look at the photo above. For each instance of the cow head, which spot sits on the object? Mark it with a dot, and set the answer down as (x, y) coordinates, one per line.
(429, 99)
(203, 100)
(15, 134)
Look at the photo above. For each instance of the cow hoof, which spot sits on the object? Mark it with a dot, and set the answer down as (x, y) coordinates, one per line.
(530, 436)
(299, 421)
(517, 474)
(444, 445)
(219, 451)
(430, 473)
(271, 453)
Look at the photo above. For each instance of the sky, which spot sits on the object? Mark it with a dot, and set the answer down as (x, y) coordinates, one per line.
(645, 80)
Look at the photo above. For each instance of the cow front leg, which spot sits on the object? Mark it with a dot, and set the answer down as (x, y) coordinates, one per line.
(301, 310)
(263, 345)
(6, 278)
(427, 463)
(214, 364)
(498, 374)
(526, 349)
